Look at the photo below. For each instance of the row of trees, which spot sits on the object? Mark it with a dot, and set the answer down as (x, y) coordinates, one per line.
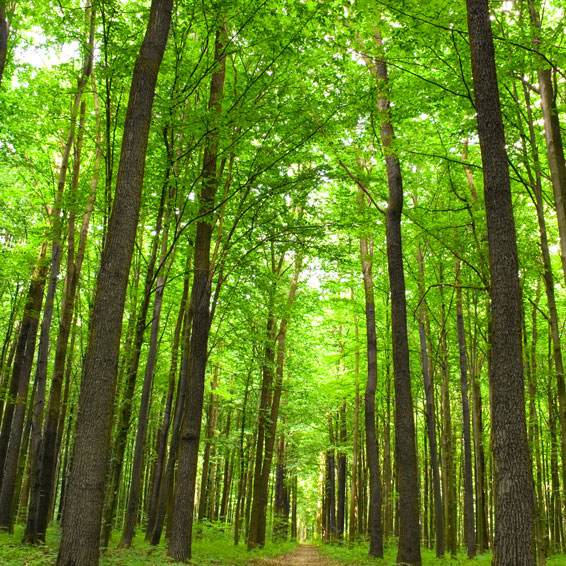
(209, 196)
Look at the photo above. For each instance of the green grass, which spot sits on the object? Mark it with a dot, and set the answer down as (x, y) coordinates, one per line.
(358, 556)
(211, 547)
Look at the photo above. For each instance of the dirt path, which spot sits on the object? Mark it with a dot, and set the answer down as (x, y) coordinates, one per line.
(303, 555)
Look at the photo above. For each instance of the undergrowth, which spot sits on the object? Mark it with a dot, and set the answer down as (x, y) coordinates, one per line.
(211, 547)
(358, 555)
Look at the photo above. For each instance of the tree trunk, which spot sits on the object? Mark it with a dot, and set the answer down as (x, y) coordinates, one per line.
(85, 491)
(375, 532)
(182, 517)
(514, 493)
(405, 442)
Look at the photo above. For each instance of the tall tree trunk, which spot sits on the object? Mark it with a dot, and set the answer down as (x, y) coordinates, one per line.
(182, 517)
(387, 467)
(514, 493)
(85, 491)
(9, 349)
(375, 532)
(228, 471)
(294, 489)
(405, 442)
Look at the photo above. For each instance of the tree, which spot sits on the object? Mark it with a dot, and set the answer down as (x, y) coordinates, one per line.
(514, 493)
(85, 495)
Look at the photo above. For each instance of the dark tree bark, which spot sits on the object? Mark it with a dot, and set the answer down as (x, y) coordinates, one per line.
(375, 532)
(405, 442)
(182, 517)
(514, 492)
(85, 490)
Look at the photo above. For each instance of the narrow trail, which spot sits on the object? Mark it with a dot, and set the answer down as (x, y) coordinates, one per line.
(304, 555)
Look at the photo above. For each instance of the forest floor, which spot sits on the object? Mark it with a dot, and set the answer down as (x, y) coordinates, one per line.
(304, 555)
